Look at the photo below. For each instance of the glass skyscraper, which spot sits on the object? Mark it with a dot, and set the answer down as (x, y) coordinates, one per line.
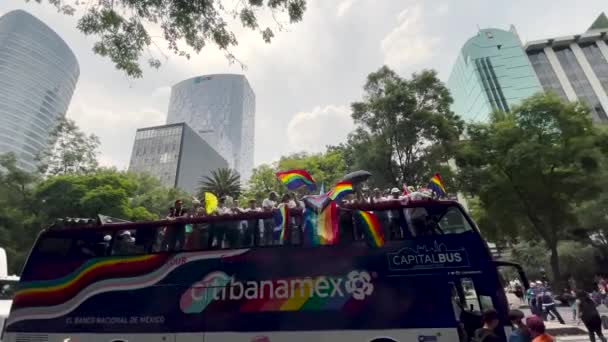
(575, 67)
(492, 72)
(221, 109)
(174, 154)
(38, 74)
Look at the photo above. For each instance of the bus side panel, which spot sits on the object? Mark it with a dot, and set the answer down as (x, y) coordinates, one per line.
(351, 287)
(400, 335)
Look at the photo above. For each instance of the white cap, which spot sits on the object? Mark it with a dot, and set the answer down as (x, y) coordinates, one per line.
(394, 190)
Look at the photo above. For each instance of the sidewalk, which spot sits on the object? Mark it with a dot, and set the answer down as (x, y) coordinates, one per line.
(569, 332)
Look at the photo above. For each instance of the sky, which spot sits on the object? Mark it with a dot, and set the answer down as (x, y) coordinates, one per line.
(306, 79)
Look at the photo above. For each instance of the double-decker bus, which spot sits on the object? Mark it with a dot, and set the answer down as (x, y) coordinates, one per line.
(225, 278)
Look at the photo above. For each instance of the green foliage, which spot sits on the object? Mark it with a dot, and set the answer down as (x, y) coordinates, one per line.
(222, 182)
(407, 126)
(70, 150)
(529, 166)
(572, 255)
(29, 203)
(326, 168)
(262, 181)
(121, 26)
(17, 211)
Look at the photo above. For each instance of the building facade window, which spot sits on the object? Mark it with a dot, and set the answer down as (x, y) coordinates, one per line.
(546, 74)
(580, 83)
(598, 63)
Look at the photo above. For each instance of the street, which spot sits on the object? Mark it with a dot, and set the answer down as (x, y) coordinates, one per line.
(572, 331)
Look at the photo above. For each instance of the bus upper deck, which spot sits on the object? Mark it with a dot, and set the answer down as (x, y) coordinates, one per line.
(228, 278)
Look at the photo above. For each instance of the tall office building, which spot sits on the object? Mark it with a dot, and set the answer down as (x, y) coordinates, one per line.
(38, 74)
(492, 72)
(221, 109)
(174, 154)
(574, 67)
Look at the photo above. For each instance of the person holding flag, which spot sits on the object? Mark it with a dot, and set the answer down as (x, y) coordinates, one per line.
(436, 186)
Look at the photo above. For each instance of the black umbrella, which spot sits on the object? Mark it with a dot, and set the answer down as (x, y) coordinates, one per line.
(357, 176)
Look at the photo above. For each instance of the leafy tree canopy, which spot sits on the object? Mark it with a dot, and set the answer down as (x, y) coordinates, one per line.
(262, 181)
(326, 168)
(70, 150)
(405, 129)
(123, 27)
(529, 166)
(221, 182)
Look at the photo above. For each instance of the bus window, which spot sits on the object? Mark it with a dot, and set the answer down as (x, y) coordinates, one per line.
(134, 241)
(453, 222)
(394, 226)
(54, 246)
(471, 298)
(421, 222)
(90, 244)
(437, 219)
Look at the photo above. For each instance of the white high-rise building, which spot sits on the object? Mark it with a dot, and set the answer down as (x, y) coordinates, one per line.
(38, 74)
(575, 67)
(221, 109)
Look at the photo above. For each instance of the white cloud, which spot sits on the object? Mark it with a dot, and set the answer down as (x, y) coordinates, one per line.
(162, 92)
(344, 6)
(115, 128)
(443, 8)
(406, 44)
(312, 131)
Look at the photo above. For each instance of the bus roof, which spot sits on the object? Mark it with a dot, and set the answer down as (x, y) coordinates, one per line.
(385, 205)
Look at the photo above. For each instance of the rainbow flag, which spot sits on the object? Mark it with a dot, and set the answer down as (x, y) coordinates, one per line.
(321, 228)
(340, 190)
(371, 227)
(436, 185)
(281, 221)
(295, 179)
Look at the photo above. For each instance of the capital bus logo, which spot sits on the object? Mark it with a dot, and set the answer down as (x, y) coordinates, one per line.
(426, 257)
(284, 294)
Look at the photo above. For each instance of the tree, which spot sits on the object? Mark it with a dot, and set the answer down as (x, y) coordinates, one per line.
(122, 26)
(262, 181)
(105, 191)
(408, 124)
(326, 168)
(530, 166)
(18, 208)
(70, 150)
(152, 196)
(222, 182)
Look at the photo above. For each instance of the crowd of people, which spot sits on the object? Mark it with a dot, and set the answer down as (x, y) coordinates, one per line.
(228, 205)
(541, 302)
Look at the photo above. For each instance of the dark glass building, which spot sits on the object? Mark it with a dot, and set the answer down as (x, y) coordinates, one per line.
(175, 154)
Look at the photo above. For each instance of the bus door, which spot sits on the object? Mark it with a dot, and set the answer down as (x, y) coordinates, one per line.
(470, 297)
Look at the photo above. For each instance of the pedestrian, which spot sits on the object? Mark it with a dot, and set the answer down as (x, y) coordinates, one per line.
(486, 333)
(548, 305)
(520, 332)
(536, 326)
(519, 292)
(588, 313)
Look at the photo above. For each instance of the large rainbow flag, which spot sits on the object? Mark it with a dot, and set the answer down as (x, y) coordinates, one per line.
(281, 222)
(321, 228)
(295, 179)
(371, 227)
(436, 185)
